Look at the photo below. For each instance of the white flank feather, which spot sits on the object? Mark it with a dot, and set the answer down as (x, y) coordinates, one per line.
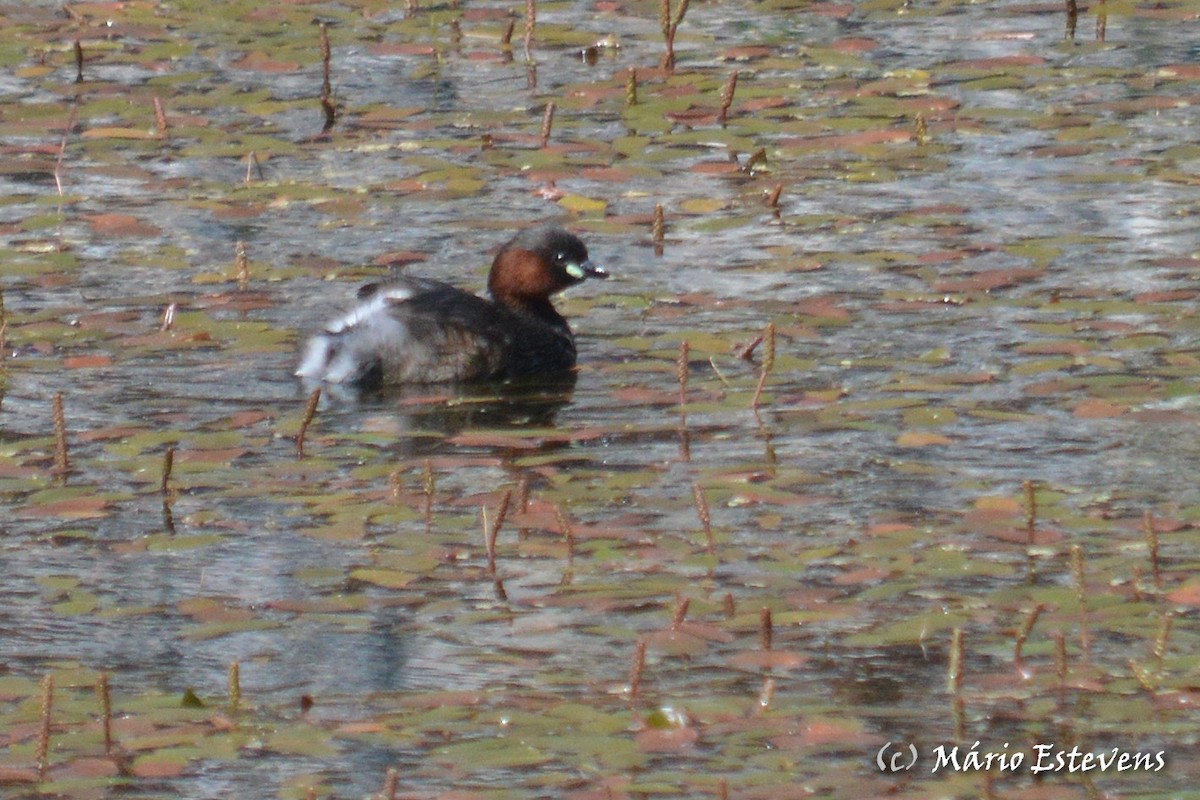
(375, 304)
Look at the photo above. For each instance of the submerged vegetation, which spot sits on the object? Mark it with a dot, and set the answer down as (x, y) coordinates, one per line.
(875, 477)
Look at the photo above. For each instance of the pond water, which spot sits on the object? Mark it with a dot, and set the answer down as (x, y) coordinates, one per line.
(980, 414)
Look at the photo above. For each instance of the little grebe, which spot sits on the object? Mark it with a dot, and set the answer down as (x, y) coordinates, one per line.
(415, 330)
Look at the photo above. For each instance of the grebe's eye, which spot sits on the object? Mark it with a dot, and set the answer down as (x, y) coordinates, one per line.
(560, 257)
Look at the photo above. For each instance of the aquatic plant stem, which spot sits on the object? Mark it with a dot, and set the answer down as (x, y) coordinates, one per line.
(1152, 548)
(427, 487)
(1148, 678)
(326, 60)
(954, 682)
(42, 756)
(1023, 634)
(768, 364)
(1080, 580)
(1072, 19)
(160, 119)
(1031, 510)
(631, 87)
(685, 441)
(766, 694)
(564, 525)
(252, 167)
(1060, 664)
(491, 531)
(702, 510)
(168, 516)
(670, 23)
(330, 112)
(920, 130)
(766, 636)
(62, 146)
(58, 171)
(681, 609)
(235, 686)
(164, 486)
(681, 375)
(104, 698)
(1162, 640)
(755, 159)
(1136, 581)
(522, 496)
(78, 48)
(659, 229)
(635, 675)
(954, 675)
(241, 264)
(327, 105)
(489, 543)
(773, 199)
(62, 458)
(530, 23)
(727, 96)
(391, 784)
(310, 411)
(746, 351)
(712, 362)
(547, 123)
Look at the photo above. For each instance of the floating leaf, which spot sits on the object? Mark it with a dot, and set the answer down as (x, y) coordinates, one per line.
(388, 579)
(582, 205)
(921, 439)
